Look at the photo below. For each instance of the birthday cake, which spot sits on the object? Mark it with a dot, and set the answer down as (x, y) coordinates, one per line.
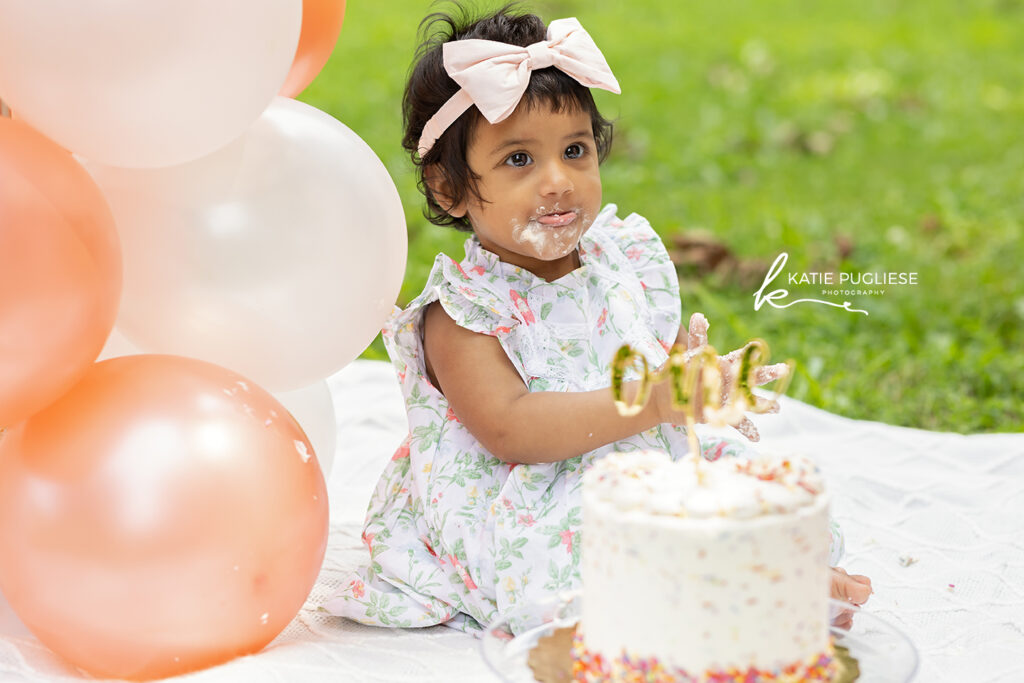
(698, 571)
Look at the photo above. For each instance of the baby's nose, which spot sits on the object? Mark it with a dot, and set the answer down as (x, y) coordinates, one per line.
(555, 180)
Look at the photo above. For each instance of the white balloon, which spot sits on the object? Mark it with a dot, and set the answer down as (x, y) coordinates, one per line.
(145, 84)
(313, 408)
(10, 625)
(278, 256)
(117, 346)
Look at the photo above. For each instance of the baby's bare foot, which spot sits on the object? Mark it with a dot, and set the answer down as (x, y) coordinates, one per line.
(850, 588)
(853, 589)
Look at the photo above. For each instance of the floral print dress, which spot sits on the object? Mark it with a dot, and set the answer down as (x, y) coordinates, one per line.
(454, 534)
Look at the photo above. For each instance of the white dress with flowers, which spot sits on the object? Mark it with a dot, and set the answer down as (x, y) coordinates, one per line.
(455, 535)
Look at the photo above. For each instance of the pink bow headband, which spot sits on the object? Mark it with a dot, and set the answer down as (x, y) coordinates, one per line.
(495, 75)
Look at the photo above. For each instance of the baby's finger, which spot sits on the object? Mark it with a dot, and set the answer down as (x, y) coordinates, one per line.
(770, 373)
(747, 429)
(764, 406)
(697, 331)
(732, 357)
(726, 372)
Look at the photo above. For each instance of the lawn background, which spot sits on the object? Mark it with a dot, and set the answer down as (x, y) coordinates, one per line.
(859, 136)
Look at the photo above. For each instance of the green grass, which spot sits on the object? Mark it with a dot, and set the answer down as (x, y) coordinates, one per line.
(893, 128)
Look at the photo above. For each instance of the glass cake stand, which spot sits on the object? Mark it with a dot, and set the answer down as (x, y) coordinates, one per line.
(883, 653)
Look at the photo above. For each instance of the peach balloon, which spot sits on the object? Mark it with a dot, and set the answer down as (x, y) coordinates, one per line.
(311, 406)
(13, 115)
(165, 515)
(321, 25)
(60, 271)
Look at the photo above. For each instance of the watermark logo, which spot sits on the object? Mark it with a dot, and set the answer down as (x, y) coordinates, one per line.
(833, 284)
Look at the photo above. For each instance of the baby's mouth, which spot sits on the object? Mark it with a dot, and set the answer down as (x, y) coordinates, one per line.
(557, 220)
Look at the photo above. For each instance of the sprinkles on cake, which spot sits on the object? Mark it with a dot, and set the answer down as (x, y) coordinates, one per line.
(588, 667)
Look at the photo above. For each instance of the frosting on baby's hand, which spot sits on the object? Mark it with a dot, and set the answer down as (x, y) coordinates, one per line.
(729, 365)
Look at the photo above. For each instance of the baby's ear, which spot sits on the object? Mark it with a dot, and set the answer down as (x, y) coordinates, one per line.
(440, 188)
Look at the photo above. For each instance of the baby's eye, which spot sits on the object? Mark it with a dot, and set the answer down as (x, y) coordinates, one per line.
(519, 159)
(574, 151)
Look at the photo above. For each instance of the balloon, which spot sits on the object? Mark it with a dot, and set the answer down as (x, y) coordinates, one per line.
(10, 624)
(60, 271)
(321, 24)
(278, 256)
(311, 406)
(145, 84)
(117, 345)
(163, 516)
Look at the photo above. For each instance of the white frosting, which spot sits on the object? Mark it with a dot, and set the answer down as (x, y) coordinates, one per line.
(694, 487)
(705, 564)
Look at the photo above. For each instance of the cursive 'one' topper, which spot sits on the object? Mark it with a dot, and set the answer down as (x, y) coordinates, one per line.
(696, 371)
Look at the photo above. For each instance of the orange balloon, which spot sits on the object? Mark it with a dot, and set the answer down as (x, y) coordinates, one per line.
(60, 271)
(13, 115)
(163, 516)
(321, 25)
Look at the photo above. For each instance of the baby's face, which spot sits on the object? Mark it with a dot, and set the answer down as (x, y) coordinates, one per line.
(540, 179)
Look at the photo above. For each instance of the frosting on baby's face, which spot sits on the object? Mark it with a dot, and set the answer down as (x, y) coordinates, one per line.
(541, 187)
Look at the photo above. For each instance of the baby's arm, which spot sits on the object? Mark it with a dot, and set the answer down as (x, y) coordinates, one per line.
(516, 425)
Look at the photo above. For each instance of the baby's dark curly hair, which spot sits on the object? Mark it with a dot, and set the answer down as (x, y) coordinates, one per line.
(430, 86)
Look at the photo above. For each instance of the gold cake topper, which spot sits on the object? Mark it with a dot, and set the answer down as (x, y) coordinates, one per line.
(699, 370)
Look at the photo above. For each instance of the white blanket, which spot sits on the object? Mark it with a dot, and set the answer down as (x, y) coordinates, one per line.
(936, 521)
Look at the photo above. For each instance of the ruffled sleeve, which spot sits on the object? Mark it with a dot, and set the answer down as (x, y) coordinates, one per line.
(466, 294)
(640, 248)
(461, 290)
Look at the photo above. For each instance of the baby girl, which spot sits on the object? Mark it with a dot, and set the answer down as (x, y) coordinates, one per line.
(504, 359)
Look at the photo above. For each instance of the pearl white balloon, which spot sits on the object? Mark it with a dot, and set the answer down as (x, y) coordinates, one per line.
(312, 407)
(144, 84)
(278, 256)
(10, 625)
(116, 346)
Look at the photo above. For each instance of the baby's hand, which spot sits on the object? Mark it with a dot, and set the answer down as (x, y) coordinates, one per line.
(854, 589)
(697, 338)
